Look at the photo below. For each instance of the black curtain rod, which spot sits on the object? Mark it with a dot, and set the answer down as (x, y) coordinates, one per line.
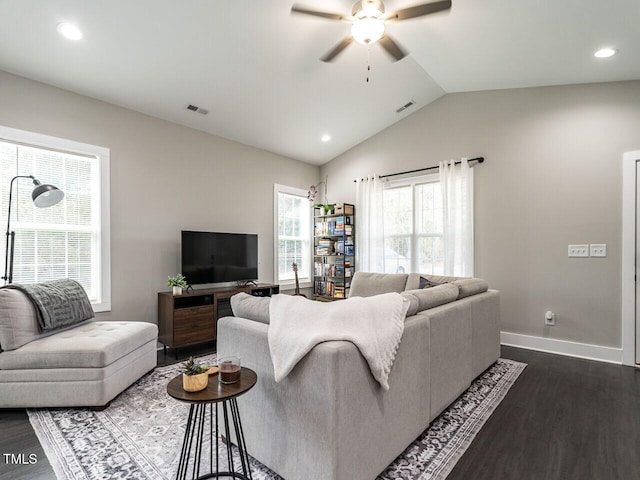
(477, 159)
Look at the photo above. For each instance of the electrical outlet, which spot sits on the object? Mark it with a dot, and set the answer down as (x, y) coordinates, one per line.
(598, 249)
(550, 318)
(578, 250)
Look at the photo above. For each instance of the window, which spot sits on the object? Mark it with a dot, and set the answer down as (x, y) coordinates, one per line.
(413, 226)
(67, 240)
(292, 214)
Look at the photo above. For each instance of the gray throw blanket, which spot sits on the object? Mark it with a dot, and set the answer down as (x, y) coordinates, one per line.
(59, 303)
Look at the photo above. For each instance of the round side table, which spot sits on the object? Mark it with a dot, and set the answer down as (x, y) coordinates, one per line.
(216, 393)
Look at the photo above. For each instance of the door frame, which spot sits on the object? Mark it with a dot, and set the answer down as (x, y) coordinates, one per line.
(630, 166)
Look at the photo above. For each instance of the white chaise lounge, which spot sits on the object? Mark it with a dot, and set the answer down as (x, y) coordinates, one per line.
(84, 366)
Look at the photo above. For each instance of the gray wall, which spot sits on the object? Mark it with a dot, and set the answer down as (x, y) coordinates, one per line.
(552, 177)
(164, 178)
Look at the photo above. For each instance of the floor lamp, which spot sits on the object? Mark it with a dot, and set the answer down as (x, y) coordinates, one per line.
(43, 196)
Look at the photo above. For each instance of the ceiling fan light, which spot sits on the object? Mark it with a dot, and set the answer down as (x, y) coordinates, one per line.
(367, 30)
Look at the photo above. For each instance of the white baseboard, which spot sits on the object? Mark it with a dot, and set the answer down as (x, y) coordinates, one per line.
(562, 347)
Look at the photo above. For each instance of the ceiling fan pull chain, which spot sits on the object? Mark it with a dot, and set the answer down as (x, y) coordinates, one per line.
(368, 62)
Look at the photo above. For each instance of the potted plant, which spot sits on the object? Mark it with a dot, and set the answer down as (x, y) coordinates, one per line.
(178, 283)
(195, 375)
(326, 208)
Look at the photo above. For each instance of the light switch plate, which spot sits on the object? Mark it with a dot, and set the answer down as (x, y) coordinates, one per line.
(578, 250)
(598, 249)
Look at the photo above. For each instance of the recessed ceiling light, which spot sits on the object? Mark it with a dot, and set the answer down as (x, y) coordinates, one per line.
(70, 31)
(605, 52)
(325, 138)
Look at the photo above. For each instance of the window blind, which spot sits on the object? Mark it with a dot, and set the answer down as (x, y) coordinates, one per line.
(62, 241)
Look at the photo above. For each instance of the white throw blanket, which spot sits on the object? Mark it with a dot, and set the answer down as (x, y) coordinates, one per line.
(374, 324)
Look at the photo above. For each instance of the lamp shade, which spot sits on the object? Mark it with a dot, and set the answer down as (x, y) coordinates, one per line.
(45, 195)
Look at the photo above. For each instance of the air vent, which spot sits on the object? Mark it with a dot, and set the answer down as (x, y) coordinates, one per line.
(410, 103)
(195, 108)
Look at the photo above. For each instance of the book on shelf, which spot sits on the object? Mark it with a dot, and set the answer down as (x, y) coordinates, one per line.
(331, 288)
(349, 249)
(325, 288)
(325, 246)
(341, 226)
(339, 267)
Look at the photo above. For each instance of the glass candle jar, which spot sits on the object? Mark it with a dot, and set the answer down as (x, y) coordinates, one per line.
(229, 369)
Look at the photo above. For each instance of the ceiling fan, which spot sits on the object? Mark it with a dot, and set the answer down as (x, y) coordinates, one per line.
(368, 20)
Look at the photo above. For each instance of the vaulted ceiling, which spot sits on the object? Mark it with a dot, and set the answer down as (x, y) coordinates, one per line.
(256, 69)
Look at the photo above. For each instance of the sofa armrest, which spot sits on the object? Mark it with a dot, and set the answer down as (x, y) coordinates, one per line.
(246, 339)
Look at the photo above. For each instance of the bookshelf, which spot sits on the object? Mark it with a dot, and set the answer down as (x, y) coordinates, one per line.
(333, 252)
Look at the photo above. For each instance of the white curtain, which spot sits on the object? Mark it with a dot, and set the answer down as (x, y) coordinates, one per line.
(369, 225)
(457, 194)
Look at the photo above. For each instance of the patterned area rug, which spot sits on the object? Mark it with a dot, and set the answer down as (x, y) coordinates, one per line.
(140, 435)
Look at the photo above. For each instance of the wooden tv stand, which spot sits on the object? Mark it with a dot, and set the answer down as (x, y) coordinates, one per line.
(191, 318)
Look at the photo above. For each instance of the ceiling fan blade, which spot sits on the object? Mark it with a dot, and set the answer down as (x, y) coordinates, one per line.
(317, 13)
(329, 57)
(392, 48)
(418, 10)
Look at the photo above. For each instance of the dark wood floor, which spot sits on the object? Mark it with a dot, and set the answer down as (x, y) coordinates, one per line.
(564, 419)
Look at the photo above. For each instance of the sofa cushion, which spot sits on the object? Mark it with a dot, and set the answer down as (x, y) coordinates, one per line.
(432, 297)
(367, 284)
(250, 307)
(471, 286)
(92, 345)
(18, 321)
(468, 286)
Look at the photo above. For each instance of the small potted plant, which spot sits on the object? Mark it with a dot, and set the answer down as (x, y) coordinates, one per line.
(195, 375)
(178, 283)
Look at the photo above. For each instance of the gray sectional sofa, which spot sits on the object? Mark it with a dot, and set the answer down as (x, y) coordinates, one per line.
(86, 365)
(329, 419)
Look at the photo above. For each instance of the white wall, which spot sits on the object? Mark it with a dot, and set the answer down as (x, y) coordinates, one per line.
(552, 177)
(164, 178)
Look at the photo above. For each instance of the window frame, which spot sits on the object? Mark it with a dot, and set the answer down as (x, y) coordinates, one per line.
(305, 282)
(414, 236)
(102, 156)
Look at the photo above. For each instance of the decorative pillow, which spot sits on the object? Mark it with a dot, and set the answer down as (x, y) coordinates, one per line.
(18, 320)
(426, 283)
(250, 307)
(368, 284)
(421, 280)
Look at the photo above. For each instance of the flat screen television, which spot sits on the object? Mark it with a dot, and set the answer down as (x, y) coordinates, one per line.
(214, 257)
